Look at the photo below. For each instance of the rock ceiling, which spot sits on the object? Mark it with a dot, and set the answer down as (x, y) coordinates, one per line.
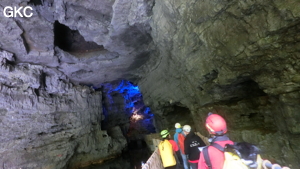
(90, 41)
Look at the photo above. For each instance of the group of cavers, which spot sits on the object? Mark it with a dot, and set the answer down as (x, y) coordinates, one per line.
(189, 151)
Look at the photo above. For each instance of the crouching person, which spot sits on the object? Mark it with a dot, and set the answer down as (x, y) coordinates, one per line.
(167, 150)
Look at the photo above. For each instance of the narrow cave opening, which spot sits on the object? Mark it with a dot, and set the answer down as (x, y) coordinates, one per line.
(72, 41)
(176, 113)
(123, 106)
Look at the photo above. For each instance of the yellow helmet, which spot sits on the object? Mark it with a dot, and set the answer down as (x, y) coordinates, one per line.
(177, 125)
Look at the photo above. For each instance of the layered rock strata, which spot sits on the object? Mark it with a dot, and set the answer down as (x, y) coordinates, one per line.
(92, 42)
(47, 122)
(236, 58)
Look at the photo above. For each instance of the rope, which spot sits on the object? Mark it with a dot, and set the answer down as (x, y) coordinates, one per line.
(154, 162)
(268, 165)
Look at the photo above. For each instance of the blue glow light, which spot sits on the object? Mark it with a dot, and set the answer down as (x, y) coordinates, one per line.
(133, 102)
(147, 110)
(129, 91)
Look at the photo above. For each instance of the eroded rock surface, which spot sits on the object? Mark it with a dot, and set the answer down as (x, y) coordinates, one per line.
(90, 41)
(46, 122)
(237, 58)
(52, 121)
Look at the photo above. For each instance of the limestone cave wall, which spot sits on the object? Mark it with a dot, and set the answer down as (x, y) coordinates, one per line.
(236, 58)
(47, 122)
(49, 117)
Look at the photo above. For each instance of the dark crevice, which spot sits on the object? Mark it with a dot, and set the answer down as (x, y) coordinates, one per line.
(35, 2)
(37, 92)
(71, 41)
(72, 138)
(43, 80)
(251, 89)
(27, 48)
(41, 134)
(243, 89)
(12, 63)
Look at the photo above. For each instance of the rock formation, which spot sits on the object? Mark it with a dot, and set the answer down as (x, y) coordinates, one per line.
(236, 58)
(46, 122)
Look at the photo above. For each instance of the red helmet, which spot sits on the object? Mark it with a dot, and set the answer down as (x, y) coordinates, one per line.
(215, 124)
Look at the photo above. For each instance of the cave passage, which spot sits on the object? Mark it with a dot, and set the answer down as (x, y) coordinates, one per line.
(71, 74)
(123, 106)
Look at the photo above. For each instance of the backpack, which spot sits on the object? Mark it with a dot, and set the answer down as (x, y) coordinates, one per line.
(181, 142)
(238, 156)
(166, 153)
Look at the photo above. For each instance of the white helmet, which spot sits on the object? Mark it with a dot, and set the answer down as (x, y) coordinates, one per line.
(186, 128)
(177, 125)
